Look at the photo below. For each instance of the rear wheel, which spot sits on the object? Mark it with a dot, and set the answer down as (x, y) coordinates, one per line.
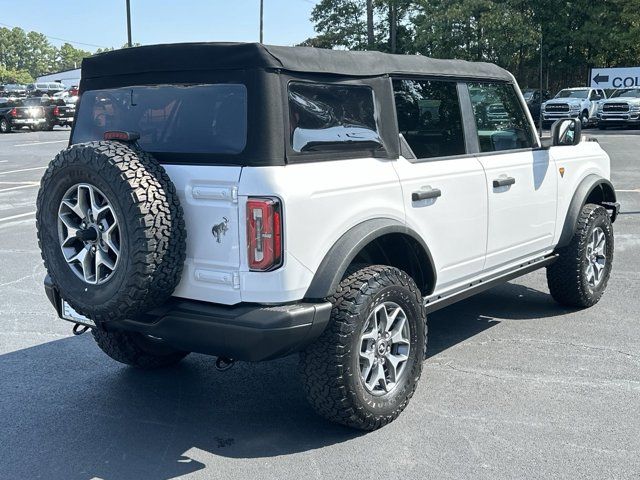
(580, 275)
(364, 368)
(137, 350)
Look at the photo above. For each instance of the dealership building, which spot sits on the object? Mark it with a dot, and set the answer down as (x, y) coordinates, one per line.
(67, 77)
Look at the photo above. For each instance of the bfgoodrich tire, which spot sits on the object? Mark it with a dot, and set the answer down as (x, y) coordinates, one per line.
(137, 350)
(580, 275)
(364, 368)
(110, 229)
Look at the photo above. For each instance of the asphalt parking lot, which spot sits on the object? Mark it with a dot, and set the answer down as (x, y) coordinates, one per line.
(514, 387)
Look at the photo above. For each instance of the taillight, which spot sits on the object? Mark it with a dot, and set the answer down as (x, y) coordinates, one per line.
(56, 112)
(264, 233)
(13, 112)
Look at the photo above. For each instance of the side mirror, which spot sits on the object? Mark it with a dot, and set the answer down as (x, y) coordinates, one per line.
(567, 131)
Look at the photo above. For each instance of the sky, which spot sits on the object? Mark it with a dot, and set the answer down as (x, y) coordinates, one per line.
(90, 24)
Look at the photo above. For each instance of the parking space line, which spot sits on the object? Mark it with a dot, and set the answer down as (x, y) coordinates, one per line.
(22, 170)
(637, 190)
(40, 143)
(33, 184)
(13, 217)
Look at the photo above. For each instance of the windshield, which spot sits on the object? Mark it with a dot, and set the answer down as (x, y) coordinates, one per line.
(528, 95)
(572, 94)
(169, 118)
(628, 92)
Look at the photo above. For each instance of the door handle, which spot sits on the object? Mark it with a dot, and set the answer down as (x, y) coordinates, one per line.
(425, 194)
(503, 182)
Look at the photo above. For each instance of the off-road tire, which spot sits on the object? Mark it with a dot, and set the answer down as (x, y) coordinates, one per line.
(329, 367)
(137, 350)
(152, 229)
(567, 277)
(5, 127)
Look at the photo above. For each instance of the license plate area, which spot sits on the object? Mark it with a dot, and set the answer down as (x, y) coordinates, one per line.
(68, 313)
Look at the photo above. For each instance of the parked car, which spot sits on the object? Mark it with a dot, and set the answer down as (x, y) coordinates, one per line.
(68, 92)
(57, 111)
(251, 201)
(15, 115)
(534, 102)
(580, 102)
(14, 90)
(44, 88)
(621, 109)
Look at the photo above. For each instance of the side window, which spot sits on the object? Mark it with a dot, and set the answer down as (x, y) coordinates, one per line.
(332, 117)
(501, 121)
(429, 117)
(593, 95)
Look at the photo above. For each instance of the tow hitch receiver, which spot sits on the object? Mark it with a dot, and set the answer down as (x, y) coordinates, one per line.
(79, 329)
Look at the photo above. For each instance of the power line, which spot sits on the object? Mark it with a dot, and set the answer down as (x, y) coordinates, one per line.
(58, 38)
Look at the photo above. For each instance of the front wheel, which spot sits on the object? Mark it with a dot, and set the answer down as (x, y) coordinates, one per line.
(364, 368)
(584, 119)
(5, 127)
(580, 275)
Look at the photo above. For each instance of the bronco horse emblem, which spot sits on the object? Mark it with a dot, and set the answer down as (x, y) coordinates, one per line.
(220, 229)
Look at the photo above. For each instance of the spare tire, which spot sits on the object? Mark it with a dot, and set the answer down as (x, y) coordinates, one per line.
(110, 229)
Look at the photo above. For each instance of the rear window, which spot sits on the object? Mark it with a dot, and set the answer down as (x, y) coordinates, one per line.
(332, 117)
(210, 119)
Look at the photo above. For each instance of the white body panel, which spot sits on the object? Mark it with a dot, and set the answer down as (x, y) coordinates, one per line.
(454, 225)
(522, 216)
(209, 195)
(322, 200)
(578, 162)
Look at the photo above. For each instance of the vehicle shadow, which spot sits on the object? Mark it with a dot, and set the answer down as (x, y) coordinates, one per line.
(510, 301)
(69, 411)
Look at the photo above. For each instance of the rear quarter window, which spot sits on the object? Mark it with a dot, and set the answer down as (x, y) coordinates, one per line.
(332, 118)
(210, 119)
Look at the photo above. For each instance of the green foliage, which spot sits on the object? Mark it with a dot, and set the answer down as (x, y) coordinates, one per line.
(576, 34)
(14, 76)
(29, 55)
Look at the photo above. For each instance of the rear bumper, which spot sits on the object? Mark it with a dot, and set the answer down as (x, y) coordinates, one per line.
(243, 332)
(21, 122)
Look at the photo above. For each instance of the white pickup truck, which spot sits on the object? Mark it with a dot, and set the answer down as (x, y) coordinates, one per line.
(580, 102)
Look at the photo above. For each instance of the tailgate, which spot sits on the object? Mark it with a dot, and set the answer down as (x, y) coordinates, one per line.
(29, 112)
(209, 198)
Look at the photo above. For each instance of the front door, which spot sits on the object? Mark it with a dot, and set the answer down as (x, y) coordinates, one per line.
(444, 188)
(521, 179)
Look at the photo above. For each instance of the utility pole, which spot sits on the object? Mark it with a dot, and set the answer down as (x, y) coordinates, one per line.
(541, 84)
(129, 43)
(261, 21)
(370, 38)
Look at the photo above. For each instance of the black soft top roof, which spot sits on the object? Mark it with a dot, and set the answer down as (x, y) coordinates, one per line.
(222, 56)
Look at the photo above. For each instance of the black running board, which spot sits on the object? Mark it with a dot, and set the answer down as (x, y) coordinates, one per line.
(436, 302)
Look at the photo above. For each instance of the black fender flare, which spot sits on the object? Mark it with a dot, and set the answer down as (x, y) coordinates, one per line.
(585, 188)
(340, 255)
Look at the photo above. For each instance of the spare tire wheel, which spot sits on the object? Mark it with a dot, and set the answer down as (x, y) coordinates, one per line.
(110, 229)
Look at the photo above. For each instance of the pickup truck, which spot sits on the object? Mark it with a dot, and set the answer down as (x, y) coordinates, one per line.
(620, 110)
(578, 103)
(14, 114)
(56, 110)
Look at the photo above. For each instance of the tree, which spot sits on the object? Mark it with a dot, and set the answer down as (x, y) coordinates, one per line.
(14, 76)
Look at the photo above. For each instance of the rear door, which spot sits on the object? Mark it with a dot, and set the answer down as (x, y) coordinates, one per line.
(209, 198)
(521, 179)
(444, 187)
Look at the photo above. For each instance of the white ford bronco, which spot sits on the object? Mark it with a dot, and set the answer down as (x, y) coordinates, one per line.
(249, 202)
